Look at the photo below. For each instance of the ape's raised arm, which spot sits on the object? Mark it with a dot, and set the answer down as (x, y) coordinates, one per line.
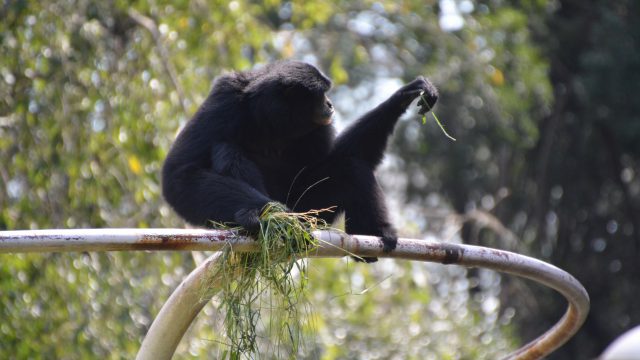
(367, 137)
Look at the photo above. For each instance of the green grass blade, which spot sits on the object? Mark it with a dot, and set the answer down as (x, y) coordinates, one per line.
(441, 127)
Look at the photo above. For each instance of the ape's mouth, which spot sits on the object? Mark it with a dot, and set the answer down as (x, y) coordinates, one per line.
(326, 120)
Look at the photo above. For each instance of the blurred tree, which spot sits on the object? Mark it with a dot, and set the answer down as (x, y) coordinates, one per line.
(536, 92)
(585, 198)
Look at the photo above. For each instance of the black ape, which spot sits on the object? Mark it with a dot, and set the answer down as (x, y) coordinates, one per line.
(265, 135)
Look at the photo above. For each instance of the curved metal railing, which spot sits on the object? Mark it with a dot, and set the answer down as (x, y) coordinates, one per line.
(186, 301)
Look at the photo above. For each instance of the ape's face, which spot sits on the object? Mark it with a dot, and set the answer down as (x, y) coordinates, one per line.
(291, 102)
(325, 115)
(303, 112)
(313, 109)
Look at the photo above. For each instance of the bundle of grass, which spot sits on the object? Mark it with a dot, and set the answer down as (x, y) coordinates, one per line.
(272, 279)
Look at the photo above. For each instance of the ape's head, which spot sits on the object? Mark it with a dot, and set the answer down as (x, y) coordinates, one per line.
(287, 99)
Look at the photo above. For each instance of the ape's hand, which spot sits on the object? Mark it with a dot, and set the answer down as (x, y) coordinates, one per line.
(428, 100)
(420, 86)
(249, 219)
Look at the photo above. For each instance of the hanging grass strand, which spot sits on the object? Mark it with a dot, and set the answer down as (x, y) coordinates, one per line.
(442, 127)
(424, 118)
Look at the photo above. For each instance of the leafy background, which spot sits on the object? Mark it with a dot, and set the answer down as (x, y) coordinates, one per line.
(540, 95)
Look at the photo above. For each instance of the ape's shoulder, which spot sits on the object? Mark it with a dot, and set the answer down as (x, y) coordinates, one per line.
(224, 107)
(230, 83)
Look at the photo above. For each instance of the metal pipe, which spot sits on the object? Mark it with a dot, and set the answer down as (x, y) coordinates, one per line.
(178, 312)
(164, 334)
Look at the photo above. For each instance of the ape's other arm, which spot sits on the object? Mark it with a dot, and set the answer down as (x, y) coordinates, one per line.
(201, 196)
(227, 159)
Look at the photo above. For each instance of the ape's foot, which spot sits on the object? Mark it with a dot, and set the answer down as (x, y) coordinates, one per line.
(389, 243)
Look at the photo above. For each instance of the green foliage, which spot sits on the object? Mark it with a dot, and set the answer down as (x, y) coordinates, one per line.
(585, 211)
(91, 99)
(88, 111)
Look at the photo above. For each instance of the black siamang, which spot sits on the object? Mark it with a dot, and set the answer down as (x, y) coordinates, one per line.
(265, 135)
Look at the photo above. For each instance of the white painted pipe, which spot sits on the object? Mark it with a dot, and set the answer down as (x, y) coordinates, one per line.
(186, 301)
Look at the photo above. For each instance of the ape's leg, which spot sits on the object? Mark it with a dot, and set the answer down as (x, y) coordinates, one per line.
(232, 191)
(201, 197)
(364, 205)
(350, 186)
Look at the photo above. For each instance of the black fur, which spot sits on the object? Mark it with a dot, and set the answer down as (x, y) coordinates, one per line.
(263, 136)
